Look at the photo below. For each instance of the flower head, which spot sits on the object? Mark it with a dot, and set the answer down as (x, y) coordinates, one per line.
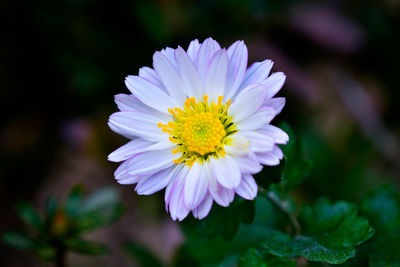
(199, 124)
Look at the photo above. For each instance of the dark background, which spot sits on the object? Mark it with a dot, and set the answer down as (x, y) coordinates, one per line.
(61, 63)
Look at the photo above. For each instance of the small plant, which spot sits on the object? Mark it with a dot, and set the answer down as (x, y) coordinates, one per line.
(63, 225)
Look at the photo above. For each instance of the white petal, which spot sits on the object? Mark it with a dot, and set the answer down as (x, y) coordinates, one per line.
(277, 152)
(175, 199)
(237, 53)
(249, 163)
(155, 182)
(216, 75)
(150, 94)
(150, 75)
(274, 83)
(136, 124)
(204, 207)
(239, 146)
(247, 102)
(170, 54)
(247, 188)
(196, 185)
(151, 162)
(261, 118)
(190, 77)
(226, 171)
(193, 51)
(222, 195)
(268, 158)
(277, 103)
(206, 51)
(257, 72)
(259, 142)
(128, 150)
(122, 175)
(169, 77)
(279, 136)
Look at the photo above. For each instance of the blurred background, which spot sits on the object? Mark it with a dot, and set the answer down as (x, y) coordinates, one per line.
(61, 63)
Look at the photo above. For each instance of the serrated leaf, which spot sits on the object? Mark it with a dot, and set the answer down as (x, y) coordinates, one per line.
(30, 216)
(86, 247)
(224, 221)
(330, 233)
(254, 258)
(144, 256)
(382, 207)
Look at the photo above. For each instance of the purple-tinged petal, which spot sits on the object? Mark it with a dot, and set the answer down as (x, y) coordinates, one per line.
(247, 188)
(150, 75)
(257, 73)
(249, 163)
(279, 136)
(155, 182)
(190, 77)
(237, 53)
(226, 171)
(196, 185)
(193, 51)
(259, 119)
(204, 207)
(206, 51)
(277, 103)
(259, 142)
(216, 76)
(274, 83)
(151, 162)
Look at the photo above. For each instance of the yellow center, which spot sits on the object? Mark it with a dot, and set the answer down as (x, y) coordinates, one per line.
(200, 130)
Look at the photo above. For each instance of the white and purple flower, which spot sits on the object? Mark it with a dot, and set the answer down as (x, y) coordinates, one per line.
(199, 124)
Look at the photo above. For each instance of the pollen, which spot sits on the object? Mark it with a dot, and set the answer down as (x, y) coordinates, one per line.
(200, 129)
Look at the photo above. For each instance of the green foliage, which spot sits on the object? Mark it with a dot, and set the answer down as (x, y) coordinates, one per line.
(62, 225)
(254, 258)
(292, 170)
(382, 207)
(330, 232)
(142, 255)
(224, 221)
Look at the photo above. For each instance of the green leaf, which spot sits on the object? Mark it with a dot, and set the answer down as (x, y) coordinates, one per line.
(224, 221)
(382, 207)
(254, 258)
(330, 233)
(144, 256)
(101, 208)
(298, 166)
(19, 240)
(74, 201)
(86, 247)
(30, 216)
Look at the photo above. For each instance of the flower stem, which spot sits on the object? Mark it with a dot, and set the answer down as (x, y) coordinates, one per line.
(283, 208)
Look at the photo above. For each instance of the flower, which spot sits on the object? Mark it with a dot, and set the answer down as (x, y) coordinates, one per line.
(199, 124)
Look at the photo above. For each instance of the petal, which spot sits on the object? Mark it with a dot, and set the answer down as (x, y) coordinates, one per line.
(268, 158)
(204, 207)
(122, 175)
(247, 188)
(259, 142)
(261, 118)
(274, 83)
(174, 200)
(226, 171)
(128, 150)
(190, 77)
(247, 102)
(155, 182)
(277, 103)
(169, 77)
(249, 163)
(136, 124)
(170, 54)
(193, 51)
(151, 162)
(279, 136)
(257, 72)
(150, 75)
(206, 51)
(150, 94)
(222, 195)
(237, 53)
(196, 185)
(239, 146)
(216, 75)
(277, 152)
